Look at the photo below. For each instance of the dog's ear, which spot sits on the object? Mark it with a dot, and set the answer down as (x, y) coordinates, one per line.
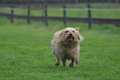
(78, 37)
(61, 32)
(81, 38)
(77, 28)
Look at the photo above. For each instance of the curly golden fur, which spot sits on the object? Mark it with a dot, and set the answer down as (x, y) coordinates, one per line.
(65, 46)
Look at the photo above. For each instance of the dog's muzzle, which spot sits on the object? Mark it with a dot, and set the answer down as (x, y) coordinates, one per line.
(70, 37)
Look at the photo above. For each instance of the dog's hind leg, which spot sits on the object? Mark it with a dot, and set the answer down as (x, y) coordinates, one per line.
(64, 62)
(72, 64)
(57, 62)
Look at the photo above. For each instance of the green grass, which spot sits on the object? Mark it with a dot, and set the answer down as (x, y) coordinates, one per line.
(25, 52)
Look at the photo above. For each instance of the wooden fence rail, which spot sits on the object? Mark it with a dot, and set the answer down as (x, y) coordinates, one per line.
(65, 19)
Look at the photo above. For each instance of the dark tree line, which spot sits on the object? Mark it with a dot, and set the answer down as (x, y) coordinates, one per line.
(55, 1)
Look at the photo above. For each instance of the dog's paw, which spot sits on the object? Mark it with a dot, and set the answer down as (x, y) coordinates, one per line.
(57, 64)
(71, 65)
(77, 61)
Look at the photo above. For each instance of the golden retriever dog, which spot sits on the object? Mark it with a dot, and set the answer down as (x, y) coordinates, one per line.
(65, 46)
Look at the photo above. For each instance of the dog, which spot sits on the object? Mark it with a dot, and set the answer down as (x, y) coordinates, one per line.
(65, 46)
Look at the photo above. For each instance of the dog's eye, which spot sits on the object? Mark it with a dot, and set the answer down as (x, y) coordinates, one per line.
(73, 31)
(67, 31)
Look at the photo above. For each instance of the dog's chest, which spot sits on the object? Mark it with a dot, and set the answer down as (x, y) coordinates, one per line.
(69, 53)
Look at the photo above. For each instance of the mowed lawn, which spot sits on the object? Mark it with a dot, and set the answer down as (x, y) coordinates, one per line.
(25, 53)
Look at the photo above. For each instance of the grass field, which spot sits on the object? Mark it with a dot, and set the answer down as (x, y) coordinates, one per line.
(25, 52)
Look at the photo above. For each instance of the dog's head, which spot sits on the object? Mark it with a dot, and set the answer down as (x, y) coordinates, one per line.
(71, 35)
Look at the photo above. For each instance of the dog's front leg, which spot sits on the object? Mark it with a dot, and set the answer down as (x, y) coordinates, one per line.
(57, 62)
(72, 64)
(77, 61)
(64, 62)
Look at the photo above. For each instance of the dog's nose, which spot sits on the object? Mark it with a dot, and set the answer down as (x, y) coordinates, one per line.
(70, 34)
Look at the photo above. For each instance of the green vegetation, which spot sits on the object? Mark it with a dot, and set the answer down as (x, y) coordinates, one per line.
(25, 52)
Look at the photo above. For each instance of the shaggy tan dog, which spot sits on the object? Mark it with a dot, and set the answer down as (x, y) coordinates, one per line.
(65, 46)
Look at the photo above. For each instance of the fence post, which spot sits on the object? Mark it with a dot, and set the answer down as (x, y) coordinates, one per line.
(64, 14)
(89, 16)
(42, 12)
(46, 15)
(12, 14)
(28, 15)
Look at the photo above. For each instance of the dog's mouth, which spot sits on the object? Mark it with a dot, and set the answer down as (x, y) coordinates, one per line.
(70, 37)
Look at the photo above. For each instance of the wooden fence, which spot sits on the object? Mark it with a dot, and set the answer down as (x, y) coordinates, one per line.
(65, 19)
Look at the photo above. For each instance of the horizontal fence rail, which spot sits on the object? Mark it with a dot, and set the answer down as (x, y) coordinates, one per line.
(68, 19)
(68, 9)
(84, 9)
